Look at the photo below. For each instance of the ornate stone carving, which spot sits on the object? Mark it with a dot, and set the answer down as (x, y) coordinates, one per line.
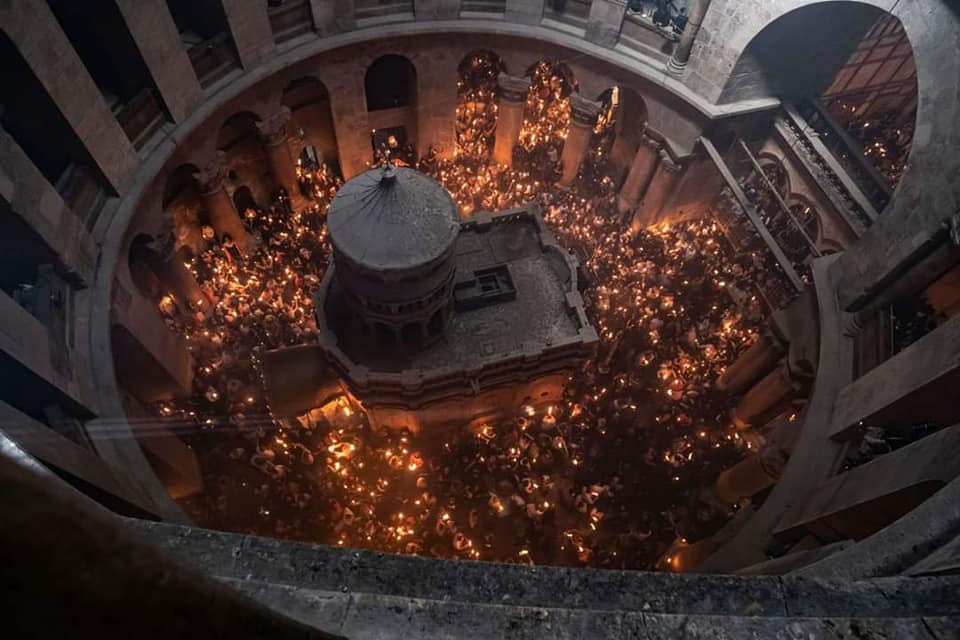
(584, 112)
(210, 177)
(668, 163)
(273, 130)
(821, 171)
(648, 141)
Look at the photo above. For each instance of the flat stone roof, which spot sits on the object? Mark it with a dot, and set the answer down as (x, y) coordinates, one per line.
(541, 314)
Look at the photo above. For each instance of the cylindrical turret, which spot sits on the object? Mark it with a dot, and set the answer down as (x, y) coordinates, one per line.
(393, 232)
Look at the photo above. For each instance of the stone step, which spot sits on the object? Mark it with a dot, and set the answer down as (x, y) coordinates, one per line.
(365, 616)
(333, 569)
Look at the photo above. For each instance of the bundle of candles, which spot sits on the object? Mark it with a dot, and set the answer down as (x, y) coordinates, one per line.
(608, 477)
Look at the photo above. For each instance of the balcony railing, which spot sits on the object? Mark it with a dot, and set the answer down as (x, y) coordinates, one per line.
(847, 152)
(842, 190)
(214, 58)
(774, 288)
(743, 223)
(82, 191)
(383, 10)
(572, 12)
(290, 19)
(141, 117)
(487, 8)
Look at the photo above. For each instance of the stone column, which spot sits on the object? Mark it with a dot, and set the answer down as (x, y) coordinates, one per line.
(219, 206)
(171, 269)
(774, 388)
(349, 109)
(250, 29)
(37, 36)
(661, 189)
(681, 54)
(436, 9)
(274, 135)
(752, 363)
(605, 21)
(641, 172)
(156, 37)
(583, 118)
(36, 202)
(748, 477)
(437, 106)
(513, 97)
(524, 11)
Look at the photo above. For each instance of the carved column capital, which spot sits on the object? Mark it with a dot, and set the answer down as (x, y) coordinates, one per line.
(513, 88)
(584, 112)
(648, 141)
(273, 130)
(210, 177)
(668, 163)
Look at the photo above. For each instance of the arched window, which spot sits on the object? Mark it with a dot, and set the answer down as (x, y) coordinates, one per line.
(390, 83)
(312, 121)
(243, 200)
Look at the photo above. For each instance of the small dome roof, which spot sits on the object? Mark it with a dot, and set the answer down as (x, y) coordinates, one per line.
(393, 218)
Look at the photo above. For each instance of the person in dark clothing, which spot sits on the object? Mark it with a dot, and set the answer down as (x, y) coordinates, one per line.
(664, 13)
(680, 20)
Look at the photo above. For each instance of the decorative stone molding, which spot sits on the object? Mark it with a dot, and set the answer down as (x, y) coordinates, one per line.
(513, 88)
(825, 176)
(668, 164)
(584, 112)
(273, 130)
(210, 177)
(648, 141)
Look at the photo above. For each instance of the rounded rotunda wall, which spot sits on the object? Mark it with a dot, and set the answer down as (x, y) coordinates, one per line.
(138, 210)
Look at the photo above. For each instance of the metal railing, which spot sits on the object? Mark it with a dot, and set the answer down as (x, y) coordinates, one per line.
(213, 59)
(290, 20)
(371, 9)
(83, 192)
(141, 117)
(847, 152)
(486, 7)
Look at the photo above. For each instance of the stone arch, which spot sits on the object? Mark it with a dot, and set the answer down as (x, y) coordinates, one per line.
(792, 47)
(243, 199)
(435, 325)
(808, 214)
(236, 128)
(481, 61)
(390, 82)
(384, 335)
(557, 69)
(245, 162)
(311, 115)
(788, 236)
(776, 170)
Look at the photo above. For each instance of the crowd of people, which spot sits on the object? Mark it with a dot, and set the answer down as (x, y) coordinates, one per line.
(885, 137)
(609, 477)
(665, 14)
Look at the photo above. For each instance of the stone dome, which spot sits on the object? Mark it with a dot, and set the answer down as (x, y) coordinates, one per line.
(393, 219)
